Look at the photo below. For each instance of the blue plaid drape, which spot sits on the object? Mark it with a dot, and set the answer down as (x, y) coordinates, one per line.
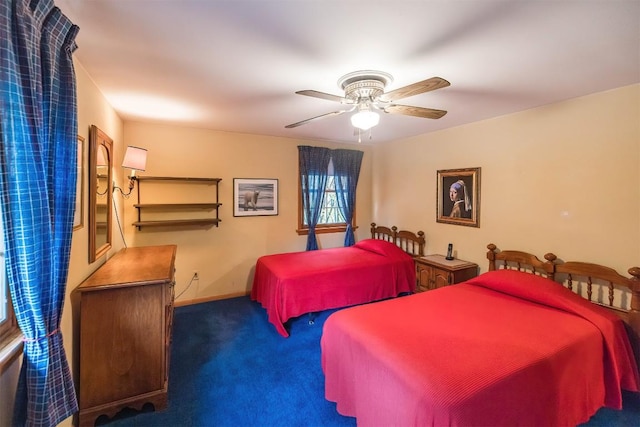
(38, 131)
(314, 169)
(346, 168)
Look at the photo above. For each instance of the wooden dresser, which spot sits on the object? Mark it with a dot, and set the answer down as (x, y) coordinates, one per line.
(434, 271)
(126, 312)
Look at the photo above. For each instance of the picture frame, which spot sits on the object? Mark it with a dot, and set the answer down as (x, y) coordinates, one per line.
(255, 197)
(459, 205)
(78, 215)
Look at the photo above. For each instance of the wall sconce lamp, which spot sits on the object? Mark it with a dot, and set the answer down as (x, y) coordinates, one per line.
(135, 158)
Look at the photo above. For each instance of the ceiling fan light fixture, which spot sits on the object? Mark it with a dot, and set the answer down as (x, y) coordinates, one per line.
(365, 90)
(365, 119)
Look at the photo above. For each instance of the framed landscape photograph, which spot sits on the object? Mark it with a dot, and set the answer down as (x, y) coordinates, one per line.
(255, 197)
(458, 197)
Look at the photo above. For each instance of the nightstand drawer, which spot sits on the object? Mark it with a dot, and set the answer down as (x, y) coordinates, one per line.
(434, 271)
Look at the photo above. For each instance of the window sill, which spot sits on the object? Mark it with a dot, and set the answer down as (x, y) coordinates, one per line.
(10, 351)
(325, 229)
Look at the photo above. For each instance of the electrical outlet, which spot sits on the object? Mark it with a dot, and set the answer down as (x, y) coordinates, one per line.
(196, 276)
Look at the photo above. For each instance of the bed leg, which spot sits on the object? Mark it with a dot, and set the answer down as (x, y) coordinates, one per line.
(312, 317)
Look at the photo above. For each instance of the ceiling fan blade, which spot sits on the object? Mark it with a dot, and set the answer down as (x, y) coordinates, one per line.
(327, 96)
(427, 113)
(415, 89)
(312, 119)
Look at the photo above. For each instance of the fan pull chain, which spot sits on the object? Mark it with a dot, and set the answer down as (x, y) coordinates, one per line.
(360, 135)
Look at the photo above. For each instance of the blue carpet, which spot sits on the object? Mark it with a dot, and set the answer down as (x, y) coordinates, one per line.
(229, 367)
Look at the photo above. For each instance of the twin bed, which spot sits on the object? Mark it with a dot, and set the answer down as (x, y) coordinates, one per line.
(292, 284)
(512, 346)
(509, 347)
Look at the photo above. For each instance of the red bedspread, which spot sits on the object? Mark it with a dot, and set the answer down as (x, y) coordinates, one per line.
(292, 284)
(505, 348)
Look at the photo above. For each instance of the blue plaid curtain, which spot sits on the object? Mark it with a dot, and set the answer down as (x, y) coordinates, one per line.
(314, 169)
(37, 185)
(346, 169)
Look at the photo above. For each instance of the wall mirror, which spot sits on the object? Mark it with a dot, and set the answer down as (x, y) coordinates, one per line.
(100, 192)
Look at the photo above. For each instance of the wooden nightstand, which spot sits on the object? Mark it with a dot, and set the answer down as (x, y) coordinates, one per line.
(434, 271)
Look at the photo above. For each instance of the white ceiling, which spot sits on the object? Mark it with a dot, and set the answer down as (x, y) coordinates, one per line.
(234, 65)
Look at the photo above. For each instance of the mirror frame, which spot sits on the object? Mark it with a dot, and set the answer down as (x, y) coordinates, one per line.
(97, 139)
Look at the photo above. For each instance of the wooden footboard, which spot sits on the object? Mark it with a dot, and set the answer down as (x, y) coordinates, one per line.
(597, 283)
(410, 242)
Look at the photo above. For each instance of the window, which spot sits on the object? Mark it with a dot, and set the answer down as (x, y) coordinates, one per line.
(8, 324)
(331, 218)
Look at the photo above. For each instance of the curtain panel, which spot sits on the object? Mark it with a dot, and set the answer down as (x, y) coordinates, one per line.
(314, 169)
(38, 132)
(346, 168)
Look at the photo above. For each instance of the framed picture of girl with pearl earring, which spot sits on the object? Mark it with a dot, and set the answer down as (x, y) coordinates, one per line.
(458, 197)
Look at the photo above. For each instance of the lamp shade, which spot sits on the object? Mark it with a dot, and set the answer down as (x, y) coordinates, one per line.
(101, 161)
(365, 119)
(135, 158)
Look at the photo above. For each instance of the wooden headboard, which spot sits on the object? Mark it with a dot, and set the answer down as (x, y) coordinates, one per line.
(599, 284)
(521, 261)
(410, 242)
(606, 287)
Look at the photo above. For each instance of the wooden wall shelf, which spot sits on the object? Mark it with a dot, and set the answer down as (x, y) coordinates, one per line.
(177, 222)
(178, 178)
(212, 205)
(178, 206)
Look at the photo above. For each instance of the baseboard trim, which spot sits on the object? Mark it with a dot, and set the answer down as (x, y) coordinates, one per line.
(208, 299)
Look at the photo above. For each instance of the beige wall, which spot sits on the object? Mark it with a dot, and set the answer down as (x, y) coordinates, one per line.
(561, 178)
(224, 256)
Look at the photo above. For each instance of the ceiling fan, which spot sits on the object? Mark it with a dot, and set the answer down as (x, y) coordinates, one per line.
(364, 93)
